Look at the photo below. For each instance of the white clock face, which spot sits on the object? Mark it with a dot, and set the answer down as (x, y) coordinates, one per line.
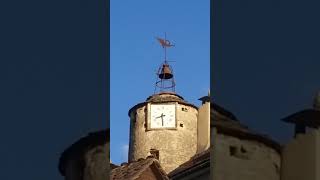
(162, 116)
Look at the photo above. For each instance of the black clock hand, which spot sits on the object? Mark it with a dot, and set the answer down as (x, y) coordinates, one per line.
(162, 120)
(162, 115)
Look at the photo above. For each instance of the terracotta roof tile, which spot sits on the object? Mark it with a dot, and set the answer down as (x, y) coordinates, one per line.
(161, 98)
(132, 170)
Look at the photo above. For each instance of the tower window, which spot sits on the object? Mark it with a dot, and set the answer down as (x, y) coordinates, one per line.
(155, 153)
(233, 150)
(184, 109)
(243, 150)
(240, 153)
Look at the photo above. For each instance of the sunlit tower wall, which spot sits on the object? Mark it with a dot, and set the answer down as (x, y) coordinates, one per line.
(172, 146)
(301, 156)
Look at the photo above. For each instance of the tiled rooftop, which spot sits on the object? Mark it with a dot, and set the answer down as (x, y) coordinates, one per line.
(198, 160)
(132, 170)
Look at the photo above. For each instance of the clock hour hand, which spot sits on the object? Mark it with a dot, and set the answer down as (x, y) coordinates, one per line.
(161, 116)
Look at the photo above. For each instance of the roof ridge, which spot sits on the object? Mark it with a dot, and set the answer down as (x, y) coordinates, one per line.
(135, 168)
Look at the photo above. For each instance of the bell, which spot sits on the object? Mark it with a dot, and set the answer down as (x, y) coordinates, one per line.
(165, 72)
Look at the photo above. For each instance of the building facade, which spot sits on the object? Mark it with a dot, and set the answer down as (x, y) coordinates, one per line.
(236, 152)
(239, 153)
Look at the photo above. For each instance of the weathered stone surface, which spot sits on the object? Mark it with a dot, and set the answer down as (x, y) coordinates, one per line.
(175, 146)
(244, 159)
(87, 159)
(301, 157)
(165, 97)
(96, 163)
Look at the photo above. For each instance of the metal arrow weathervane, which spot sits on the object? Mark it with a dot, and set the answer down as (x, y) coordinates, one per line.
(165, 44)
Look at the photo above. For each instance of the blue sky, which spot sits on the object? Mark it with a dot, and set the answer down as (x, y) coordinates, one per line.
(136, 55)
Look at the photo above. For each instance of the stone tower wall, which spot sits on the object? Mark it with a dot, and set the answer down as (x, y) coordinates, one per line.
(87, 159)
(301, 157)
(175, 146)
(95, 165)
(203, 127)
(239, 159)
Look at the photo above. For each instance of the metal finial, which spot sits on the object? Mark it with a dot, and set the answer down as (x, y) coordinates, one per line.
(165, 80)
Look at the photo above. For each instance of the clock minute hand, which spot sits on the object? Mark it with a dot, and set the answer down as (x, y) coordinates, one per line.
(162, 115)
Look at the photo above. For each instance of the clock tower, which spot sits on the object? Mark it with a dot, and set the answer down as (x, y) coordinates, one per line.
(164, 125)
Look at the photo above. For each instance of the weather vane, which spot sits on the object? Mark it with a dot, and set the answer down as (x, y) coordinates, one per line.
(165, 44)
(165, 78)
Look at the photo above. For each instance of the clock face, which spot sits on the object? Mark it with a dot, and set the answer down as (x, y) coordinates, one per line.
(162, 116)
